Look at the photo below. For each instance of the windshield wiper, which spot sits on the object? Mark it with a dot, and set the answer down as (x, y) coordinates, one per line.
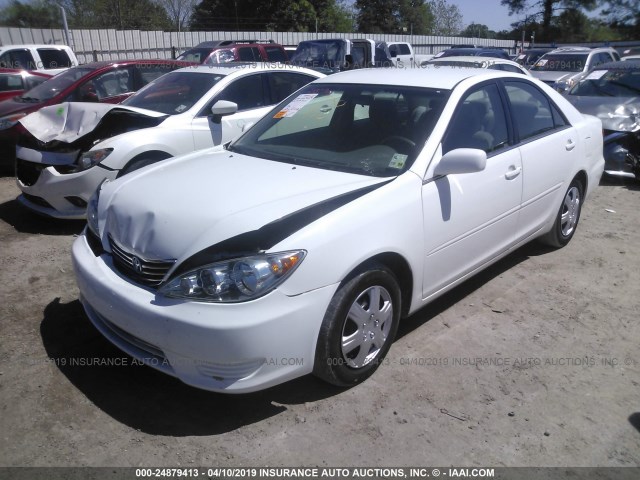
(30, 99)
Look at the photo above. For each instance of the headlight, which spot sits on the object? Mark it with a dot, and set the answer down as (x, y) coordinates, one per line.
(236, 280)
(92, 210)
(11, 120)
(92, 158)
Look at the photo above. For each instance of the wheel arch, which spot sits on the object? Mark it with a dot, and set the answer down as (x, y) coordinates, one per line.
(399, 266)
(155, 155)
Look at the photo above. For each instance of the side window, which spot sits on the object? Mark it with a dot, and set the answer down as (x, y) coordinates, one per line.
(20, 58)
(511, 68)
(249, 54)
(54, 58)
(147, 73)
(530, 108)
(479, 122)
(404, 49)
(246, 91)
(275, 54)
(283, 84)
(113, 83)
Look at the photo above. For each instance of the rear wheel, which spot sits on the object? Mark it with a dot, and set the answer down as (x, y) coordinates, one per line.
(358, 328)
(567, 218)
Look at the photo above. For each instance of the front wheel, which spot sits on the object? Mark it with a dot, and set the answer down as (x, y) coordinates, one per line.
(567, 218)
(358, 328)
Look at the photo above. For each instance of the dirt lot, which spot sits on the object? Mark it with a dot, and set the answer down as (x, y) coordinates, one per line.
(535, 362)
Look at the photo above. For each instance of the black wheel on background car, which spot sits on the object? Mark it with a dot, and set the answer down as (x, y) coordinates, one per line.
(358, 327)
(567, 218)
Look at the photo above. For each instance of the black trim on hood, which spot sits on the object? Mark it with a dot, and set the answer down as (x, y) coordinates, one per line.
(264, 238)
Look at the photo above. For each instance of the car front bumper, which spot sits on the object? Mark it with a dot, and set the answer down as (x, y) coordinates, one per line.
(54, 194)
(233, 348)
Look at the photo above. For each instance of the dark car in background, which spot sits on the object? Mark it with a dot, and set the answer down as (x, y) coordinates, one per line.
(14, 82)
(475, 52)
(529, 57)
(224, 51)
(107, 82)
(611, 92)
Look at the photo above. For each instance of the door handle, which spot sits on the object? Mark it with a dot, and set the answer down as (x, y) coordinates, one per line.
(570, 145)
(513, 172)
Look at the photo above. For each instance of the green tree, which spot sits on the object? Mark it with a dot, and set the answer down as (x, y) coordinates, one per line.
(624, 16)
(416, 16)
(378, 16)
(447, 19)
(35, 14)
(477, 30)
(546, 9)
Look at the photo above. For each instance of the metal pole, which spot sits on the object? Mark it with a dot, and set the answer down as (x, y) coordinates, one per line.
(65, 26)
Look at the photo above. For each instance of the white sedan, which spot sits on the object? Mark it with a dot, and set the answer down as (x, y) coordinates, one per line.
(69, 149)
(299, 247)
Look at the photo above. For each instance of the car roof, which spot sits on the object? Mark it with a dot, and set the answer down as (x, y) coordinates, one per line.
(232, 43)
(574, 50)
(231, 67)
(33, 45)
(474, 58)
(428, 77)
(128, 61)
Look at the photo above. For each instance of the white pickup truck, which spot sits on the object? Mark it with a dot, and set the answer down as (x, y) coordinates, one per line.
(403, 55)
(51, 59)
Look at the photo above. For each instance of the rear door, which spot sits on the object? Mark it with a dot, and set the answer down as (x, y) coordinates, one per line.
(547, 143)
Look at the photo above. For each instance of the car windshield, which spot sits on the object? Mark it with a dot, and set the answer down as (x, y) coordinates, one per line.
(364, 129)
(53, 86)
(609, 83)
(174, 92)
(321, 53)
(564, 62)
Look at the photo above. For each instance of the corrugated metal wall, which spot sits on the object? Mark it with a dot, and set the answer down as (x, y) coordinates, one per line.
(117, 44)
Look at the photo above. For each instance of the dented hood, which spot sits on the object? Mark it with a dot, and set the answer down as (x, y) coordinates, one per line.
(620, 114)
(70, 121)
(179, 207)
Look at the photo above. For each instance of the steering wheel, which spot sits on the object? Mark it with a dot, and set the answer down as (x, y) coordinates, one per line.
(398, 140)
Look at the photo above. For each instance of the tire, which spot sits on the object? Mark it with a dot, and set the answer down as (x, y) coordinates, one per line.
(142, 160)
(568, 217)
(355, 335)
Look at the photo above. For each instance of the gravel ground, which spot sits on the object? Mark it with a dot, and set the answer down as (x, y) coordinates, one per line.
(534, 362)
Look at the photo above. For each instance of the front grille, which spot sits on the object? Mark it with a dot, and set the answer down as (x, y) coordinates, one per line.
(138, 269)
(28, 172)
(37, 200)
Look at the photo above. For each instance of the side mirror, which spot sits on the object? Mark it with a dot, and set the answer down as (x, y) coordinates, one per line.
(222, 108)
(461, 160)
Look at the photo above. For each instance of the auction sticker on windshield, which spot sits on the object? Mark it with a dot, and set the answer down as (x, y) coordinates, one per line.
(295, 105)
(596, 75)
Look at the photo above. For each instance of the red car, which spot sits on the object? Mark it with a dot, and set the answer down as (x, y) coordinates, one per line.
(108, 82)
(14, 82)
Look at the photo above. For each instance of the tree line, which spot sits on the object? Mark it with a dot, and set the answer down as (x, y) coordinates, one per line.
(541, 20)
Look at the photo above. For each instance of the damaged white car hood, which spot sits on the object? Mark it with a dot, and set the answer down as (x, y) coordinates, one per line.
(70, 121)
(182, 206)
